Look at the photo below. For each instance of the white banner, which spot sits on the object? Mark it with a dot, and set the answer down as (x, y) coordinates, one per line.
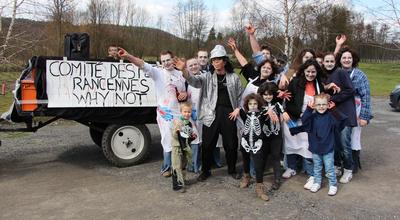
(97, 84)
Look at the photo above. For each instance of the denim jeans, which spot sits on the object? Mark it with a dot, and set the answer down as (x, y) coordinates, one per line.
(327, 161)
(345, 149)
(196, 159)
(307, 163)
(167, 162)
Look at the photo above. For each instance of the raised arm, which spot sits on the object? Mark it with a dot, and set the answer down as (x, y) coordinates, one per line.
(255, 47)
(339, 43)
(239, 56)
(195, 81)
(127, 56)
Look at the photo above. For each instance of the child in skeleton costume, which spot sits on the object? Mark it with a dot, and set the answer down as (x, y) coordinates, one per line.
(272, 139)
(183, 133)
(252, 141)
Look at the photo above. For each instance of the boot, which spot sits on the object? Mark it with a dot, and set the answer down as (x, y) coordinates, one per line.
(277, 184)
(356, 160)
(260, 192)
(245, 182)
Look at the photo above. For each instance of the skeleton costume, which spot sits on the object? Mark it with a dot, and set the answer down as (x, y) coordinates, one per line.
(182, 135)
(251, 138)
(268, 127)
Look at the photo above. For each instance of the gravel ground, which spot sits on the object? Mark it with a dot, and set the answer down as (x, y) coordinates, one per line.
(58, 173)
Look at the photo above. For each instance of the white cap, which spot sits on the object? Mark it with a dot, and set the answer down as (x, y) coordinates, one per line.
(218, 51)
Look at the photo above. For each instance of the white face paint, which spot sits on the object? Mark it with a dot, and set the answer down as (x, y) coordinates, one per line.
(166, 62)
(202, 56)
(113, 52)
(253, 105)
(307, 56)
(266, 71)
(321, 105)
(193, 66)
(346, 60)
(310, 73)
(329, 62)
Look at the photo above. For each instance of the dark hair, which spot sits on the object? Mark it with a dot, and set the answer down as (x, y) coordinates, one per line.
(270, 88)
(228, 65)
(266, 47)
(319, 54)
(301, 76)
(298, 61)
(356, 58)
(273, 66)
(258, 98)
(165, 52)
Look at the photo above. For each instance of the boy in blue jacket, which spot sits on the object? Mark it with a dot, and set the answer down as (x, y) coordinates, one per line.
(320, 126)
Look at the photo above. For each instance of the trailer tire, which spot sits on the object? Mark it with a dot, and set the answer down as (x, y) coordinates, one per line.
(96, 136)
(126, 145)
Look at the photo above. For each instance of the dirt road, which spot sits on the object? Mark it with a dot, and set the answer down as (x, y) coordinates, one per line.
(58, 173)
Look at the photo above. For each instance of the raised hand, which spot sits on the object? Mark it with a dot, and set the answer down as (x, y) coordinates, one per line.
(179, 63)
(340, 39)
(334, 87)
(232, 44)
(250, 29)
(122, 53)
(285, 95)
(331, 105)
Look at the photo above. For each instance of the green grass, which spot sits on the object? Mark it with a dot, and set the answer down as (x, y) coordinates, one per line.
(382, 77)
(9, 78)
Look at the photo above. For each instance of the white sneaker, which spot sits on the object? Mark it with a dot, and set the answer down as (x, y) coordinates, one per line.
(315, 187)
(338, 171)
(310, 182)
(288, 173)
(332, 190)
(347, 176)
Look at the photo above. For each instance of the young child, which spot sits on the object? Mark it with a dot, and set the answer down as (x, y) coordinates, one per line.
(183, 133)
(320, 126)
(252, 141)
(193, 66)
(271, 128)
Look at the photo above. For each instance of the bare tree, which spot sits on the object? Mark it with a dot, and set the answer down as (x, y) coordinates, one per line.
(59, 12)
(15, 5)
(190, 18)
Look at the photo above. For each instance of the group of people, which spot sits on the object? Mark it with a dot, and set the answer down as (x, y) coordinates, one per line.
(310, 115)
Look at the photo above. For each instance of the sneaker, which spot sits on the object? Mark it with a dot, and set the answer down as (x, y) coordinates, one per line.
(288, 173)
(315, 187)
(203, 176)
(309, 184)
(347, 176)
(338, 171)
(167, 174)
(332, 190)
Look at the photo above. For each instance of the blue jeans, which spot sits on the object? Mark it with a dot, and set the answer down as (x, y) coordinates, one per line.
(327, 161)
(196, 159)
(167, 162)
(345, 148)
(307, 163)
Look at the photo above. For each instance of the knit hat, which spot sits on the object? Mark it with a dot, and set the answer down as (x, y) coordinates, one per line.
(218, 51)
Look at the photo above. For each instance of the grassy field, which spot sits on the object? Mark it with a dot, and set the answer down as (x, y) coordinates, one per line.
(382, 77)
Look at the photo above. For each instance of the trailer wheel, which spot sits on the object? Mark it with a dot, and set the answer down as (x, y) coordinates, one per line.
(96, 136)
(126, 145)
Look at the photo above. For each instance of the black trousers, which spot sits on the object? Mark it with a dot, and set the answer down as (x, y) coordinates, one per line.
(271, 146)
(227, 128)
